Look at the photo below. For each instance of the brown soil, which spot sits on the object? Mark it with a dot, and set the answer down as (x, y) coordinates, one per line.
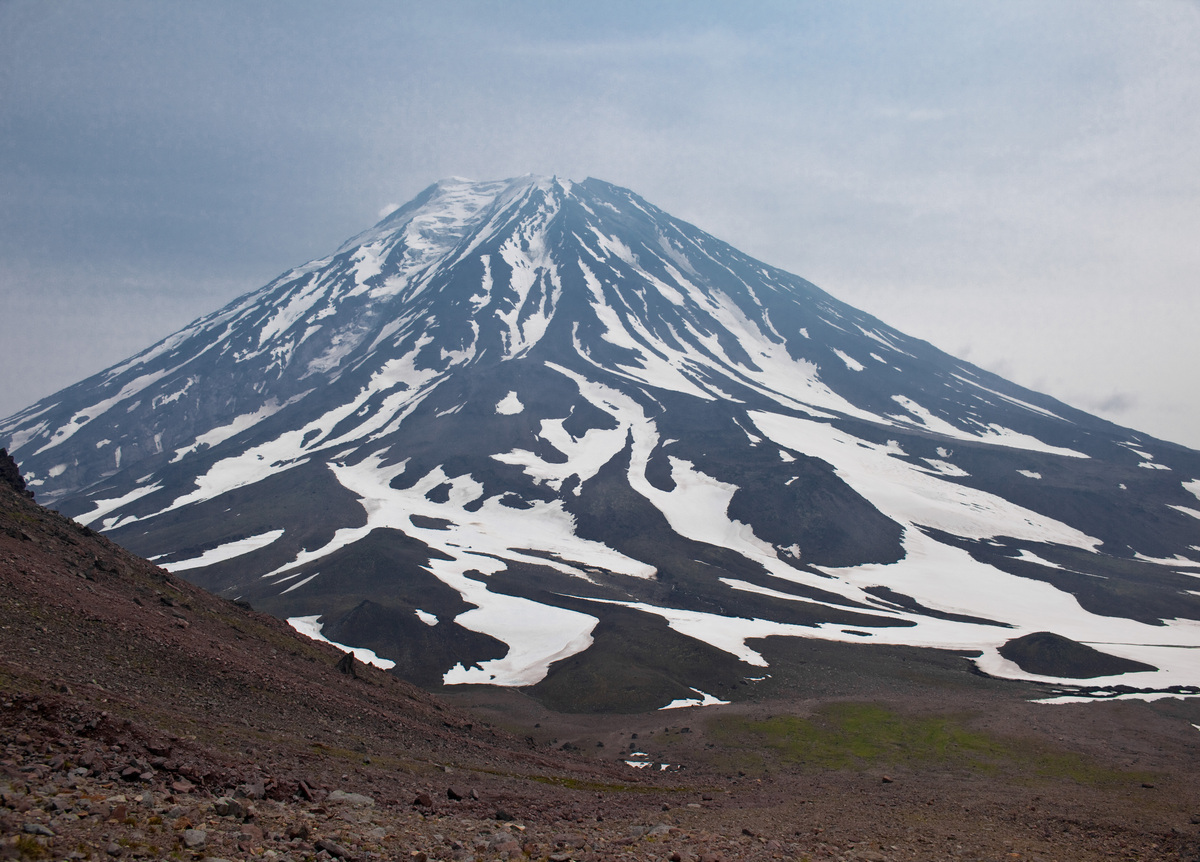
(133, 706)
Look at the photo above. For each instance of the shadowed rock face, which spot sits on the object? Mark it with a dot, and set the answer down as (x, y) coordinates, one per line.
(515, 423)
(11, 476)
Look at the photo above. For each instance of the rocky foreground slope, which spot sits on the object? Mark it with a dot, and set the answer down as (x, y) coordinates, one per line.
(141, 717)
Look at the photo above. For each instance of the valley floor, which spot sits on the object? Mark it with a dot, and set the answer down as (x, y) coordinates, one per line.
(87, 785)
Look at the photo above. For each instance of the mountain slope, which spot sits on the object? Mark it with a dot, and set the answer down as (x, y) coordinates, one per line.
(514, 412)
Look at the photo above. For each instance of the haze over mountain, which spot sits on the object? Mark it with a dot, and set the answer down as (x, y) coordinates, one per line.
(540, 433)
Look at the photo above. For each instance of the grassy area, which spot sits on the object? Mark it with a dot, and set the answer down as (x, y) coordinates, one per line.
(857, 736)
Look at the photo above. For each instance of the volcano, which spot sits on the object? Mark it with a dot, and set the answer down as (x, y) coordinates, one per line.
(542, 434)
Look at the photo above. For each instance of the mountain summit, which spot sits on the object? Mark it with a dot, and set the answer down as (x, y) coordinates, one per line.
(541, 433)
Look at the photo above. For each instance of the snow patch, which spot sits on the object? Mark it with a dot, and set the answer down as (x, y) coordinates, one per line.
(103, 507)
(851, 363)
(510, 405)
(302, 298)
(704, 699)
(993, 434)
(426, 617)
(309, 627)
(228, 551)
(945, 468)
(87, 414)
(222, 433)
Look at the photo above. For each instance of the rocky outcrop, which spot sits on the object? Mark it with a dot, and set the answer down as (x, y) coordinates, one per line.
(10, 474)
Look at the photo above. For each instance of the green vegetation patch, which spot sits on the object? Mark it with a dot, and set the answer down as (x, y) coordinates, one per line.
(857, 736)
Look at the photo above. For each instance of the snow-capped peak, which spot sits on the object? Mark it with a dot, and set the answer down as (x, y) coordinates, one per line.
(524, 405)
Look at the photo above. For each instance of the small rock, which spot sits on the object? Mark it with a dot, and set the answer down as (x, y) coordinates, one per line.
(113, 849)
(503, 815)
(252, 790)
(298, 830)
(349, 798)
(887, 779)
(37, 829)
(193, 839)
(454, 793)
(332, 847)
(423, 801)
(228, 807)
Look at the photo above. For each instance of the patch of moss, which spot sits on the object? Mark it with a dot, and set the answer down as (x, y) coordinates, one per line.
(28, 847)
(858, 736)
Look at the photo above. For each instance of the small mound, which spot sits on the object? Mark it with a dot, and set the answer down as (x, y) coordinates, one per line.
(1048, 654)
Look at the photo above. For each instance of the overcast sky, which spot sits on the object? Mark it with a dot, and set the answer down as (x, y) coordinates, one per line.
(1018, 183)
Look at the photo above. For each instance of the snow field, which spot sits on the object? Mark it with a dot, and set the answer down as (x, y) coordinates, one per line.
(479, 543)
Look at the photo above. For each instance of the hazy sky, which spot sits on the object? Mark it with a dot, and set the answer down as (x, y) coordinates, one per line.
(1018, 183)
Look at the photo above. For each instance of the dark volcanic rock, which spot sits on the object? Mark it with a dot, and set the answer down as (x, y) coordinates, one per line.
(10, 475)
(1048, 654)
(348, 665)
